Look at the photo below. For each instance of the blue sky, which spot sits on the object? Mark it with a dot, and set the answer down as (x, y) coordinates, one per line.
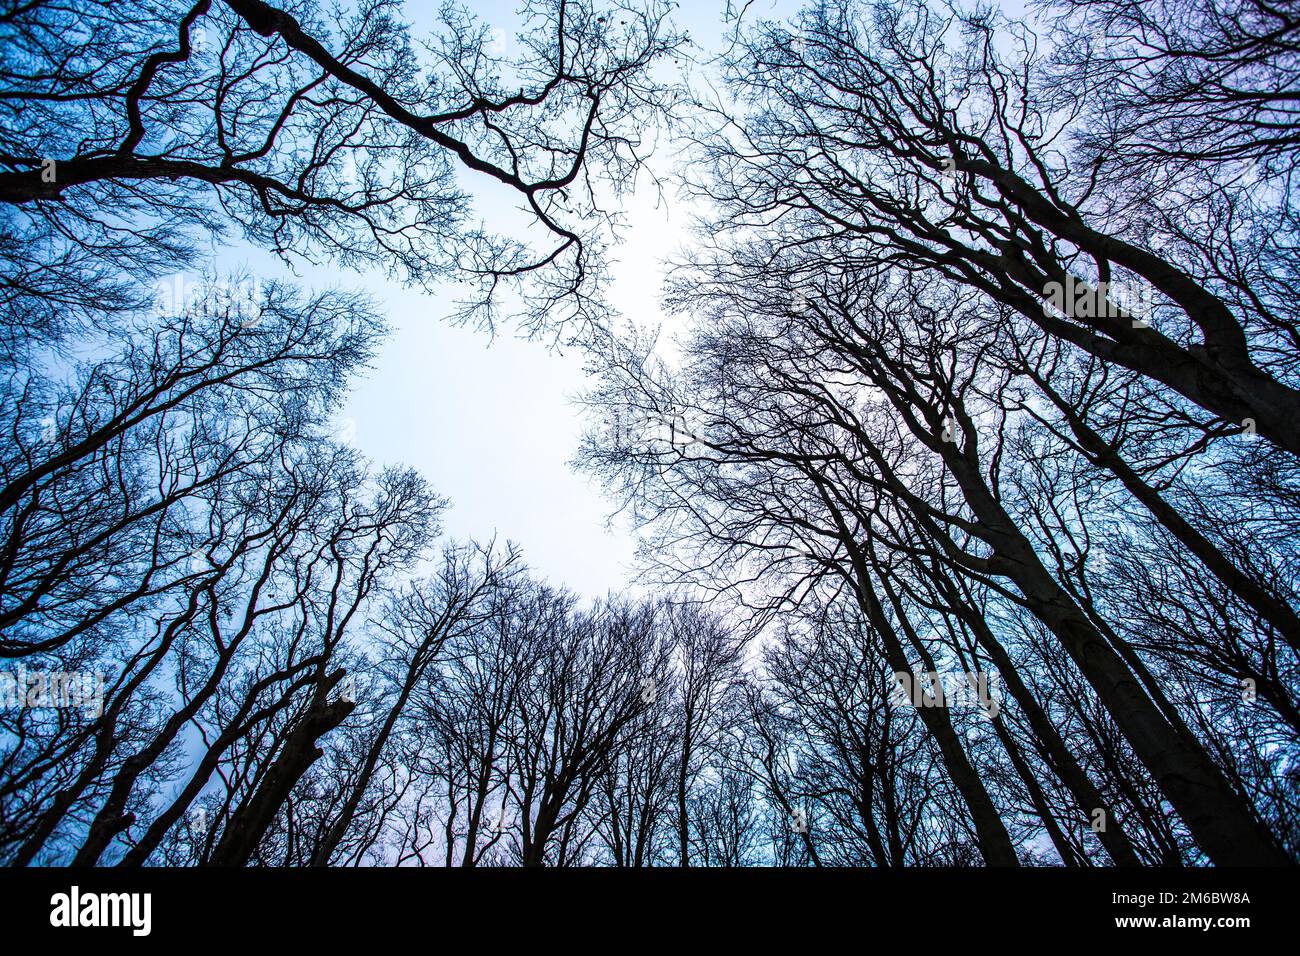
(493, 421)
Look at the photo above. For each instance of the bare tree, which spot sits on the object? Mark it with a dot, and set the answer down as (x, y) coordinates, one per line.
(314, 135)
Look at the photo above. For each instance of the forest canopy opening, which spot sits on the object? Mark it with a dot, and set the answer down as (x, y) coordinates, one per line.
(963, 471)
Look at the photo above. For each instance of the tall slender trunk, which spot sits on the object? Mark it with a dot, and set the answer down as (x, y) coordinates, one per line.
(1086, 795)
(1254, 595)
(683, 780)
(1222, 823)
(248, 825)
(994, 841)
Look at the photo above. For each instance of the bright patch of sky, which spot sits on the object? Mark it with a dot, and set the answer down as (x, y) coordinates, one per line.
(494, 422)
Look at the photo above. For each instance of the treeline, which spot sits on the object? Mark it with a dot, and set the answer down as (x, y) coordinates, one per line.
(992, 346)
(267, 619)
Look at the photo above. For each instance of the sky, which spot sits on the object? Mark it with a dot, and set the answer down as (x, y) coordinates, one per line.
(493, 422)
